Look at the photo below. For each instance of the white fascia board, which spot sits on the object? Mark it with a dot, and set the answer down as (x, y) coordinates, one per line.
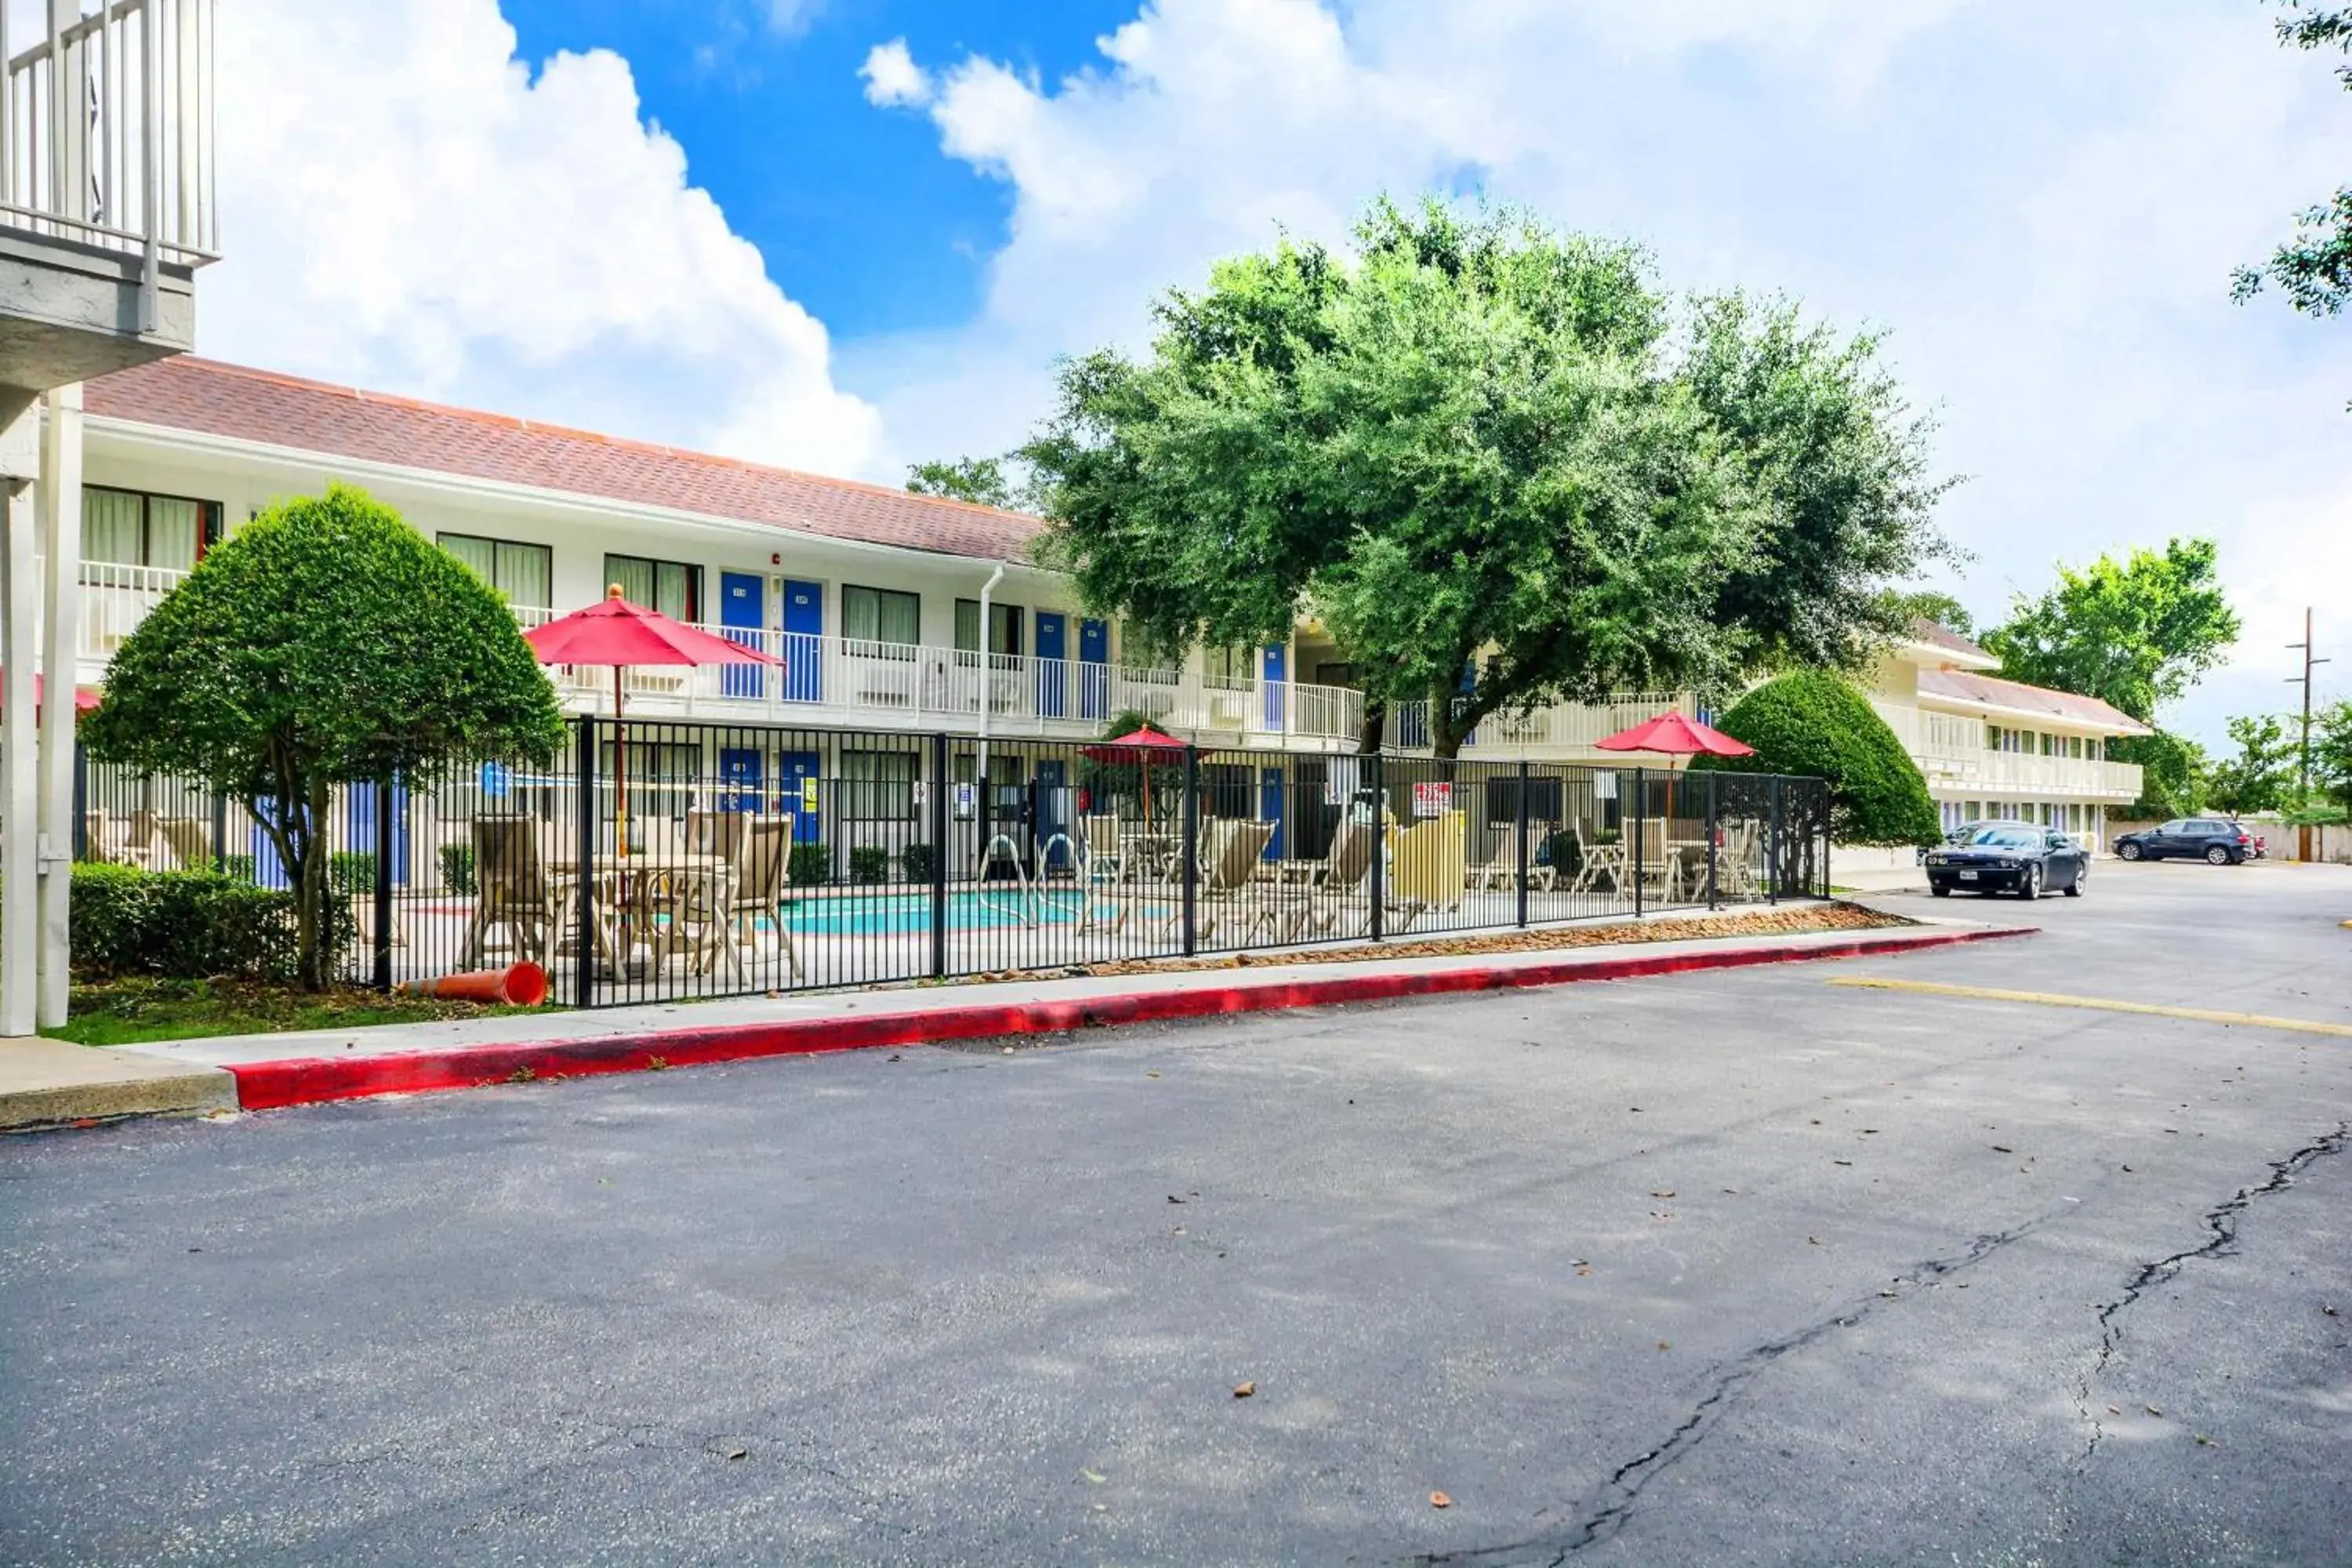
(1929, 656)
(166, 439)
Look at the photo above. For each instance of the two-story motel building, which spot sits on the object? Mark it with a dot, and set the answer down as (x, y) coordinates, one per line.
(891, 611)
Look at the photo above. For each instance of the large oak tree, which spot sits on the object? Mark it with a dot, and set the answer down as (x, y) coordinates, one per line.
(1497, 465)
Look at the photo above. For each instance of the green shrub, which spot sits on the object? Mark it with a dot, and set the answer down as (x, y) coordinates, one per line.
(457, 867)
(919, 862)
(870, 863)
(1810, 723)
(189, 925)
(352, 872)
(810, 864)
(242, 867)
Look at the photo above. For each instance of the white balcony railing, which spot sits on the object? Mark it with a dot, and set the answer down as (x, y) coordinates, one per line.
(114, 599)
(1563, 727)
(858, 680)
(1951, 751)
(108, 127)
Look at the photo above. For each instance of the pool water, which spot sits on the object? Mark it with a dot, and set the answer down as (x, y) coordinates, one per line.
(907, 914)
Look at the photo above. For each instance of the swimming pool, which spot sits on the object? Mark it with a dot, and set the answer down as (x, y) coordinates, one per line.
(909, 914)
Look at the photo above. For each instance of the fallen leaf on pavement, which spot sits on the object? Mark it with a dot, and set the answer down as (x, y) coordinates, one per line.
(2115, 1410)
(1244, 1390)
(2205, 1442)
(1663, 1193)
(1813, 1240)
(1151, 1075)
(1092, 1476)
(2152, 1410)
(2002, 1149)
(1666, 1345)
(2329, 1311)
(1841, 1161)
(1439, 1499)
(1174, 1199)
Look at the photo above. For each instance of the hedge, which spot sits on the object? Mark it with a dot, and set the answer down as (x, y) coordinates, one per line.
(188, 925)
(1812, 722)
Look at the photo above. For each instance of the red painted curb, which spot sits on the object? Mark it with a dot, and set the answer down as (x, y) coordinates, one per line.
(302, 1081)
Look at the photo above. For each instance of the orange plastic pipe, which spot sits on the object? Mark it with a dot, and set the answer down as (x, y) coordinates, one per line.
(519, 985)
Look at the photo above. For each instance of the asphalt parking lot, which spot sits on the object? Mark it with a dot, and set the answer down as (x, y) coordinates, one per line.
(1742, 1266)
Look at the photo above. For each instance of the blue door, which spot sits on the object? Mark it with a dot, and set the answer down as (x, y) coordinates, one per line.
(1053, 676)
(1277, 667)
(355, 834)
(1269, 806)
(743, 618)
(1053, 814)
(1094, 671)
(803, 649)
(797, 772)
(739, 780)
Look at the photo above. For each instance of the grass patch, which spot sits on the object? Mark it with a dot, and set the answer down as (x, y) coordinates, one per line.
(130, 1012)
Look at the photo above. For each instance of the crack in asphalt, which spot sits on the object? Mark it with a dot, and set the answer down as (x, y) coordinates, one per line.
(1606, 1511)
(2221, 1223)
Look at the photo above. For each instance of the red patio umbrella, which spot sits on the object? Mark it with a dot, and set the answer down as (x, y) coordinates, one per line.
(1143, 747)
(85, 699)
(620, 634)
(1674, 735)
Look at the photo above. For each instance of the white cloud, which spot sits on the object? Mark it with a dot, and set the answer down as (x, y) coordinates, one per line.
(791, 17)
(409, 208)
(892, 78)
(2045, 217)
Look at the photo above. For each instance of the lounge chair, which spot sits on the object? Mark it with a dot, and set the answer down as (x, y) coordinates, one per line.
(188, 838)
(1227, 887)
(1342, 903)
(1105, 849)
(1501, 874)
(512, 891)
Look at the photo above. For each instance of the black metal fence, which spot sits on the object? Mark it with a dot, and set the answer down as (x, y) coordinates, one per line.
(658, 860)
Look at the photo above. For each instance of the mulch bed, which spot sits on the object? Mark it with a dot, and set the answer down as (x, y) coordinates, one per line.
(1790, 920)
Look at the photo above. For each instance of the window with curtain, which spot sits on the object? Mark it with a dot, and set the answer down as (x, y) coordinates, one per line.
(672, 587)
(129, 528)
(1005, 623)
(525, 574)
(1229, 665)
(881, 616)
(878, 787)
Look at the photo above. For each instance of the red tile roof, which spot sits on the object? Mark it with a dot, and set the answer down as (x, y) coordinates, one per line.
(215, 399)
(1962, 686)
(1935, 634)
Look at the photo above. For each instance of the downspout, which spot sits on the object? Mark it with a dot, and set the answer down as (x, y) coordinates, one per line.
(987, 671)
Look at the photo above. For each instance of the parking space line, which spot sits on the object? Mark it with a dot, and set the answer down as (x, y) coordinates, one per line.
(2101, 1003)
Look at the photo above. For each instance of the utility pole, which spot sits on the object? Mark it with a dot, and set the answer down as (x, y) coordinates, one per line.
(2303, 771)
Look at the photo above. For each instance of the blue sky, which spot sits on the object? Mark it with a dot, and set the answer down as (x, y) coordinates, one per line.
(847, 235)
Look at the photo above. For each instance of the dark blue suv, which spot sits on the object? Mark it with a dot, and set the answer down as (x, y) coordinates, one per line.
(2213, 840)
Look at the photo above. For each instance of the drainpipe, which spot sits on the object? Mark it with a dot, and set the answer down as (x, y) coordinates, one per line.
(987, 671)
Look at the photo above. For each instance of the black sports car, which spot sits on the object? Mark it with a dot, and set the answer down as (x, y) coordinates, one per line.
(2019, 858)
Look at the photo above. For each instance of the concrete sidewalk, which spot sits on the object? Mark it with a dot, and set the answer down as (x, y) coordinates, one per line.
(268, 1071)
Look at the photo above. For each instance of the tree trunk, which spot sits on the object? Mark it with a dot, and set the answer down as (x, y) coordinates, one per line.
(1376, 719)
(311, 893)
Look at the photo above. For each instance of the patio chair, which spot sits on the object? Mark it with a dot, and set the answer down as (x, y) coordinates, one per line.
(188, 838)
(1595, 861)
(1343, 898)
(1227, 885)
(762, 862)
(512, 891)
(1502, 873)
(1105, 849)
(1736, 865)
(715, 832)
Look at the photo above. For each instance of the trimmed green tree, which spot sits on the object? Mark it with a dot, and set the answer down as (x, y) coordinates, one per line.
(326, 643)
(1812, 722)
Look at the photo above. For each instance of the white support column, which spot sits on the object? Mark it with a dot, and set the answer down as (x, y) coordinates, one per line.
(60, 514)
(20, 904)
